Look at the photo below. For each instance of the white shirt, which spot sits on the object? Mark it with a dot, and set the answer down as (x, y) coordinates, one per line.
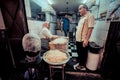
(45, 33)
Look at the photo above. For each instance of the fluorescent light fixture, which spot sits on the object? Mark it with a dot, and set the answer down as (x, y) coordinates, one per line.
(50, 2)
(84, 1)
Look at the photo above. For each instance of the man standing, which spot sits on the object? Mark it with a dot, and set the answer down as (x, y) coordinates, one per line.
(65, 25)
(83, 33)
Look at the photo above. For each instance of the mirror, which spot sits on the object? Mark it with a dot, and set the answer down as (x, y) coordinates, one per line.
(34, 11)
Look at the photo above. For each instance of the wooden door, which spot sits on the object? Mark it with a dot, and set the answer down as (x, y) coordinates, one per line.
(14, 17)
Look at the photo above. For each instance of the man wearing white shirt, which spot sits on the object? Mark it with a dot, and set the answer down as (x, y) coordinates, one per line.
(46, 36)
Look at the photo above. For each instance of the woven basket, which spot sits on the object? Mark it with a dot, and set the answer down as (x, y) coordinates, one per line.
(62, 47)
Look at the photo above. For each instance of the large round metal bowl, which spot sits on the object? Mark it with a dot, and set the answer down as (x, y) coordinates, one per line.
(60, 63)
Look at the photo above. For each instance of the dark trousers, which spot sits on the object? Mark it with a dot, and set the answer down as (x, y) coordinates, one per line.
(66, 31)
(82, 53)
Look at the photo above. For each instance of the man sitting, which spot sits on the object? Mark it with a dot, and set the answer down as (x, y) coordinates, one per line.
(46, 36)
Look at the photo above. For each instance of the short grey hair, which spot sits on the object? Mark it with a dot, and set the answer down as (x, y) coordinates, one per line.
(85, 6)
(31, 42)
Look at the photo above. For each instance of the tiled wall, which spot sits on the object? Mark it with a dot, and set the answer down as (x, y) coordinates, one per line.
(101, 26)
(100, 31)
(104, 4)
(35, 26)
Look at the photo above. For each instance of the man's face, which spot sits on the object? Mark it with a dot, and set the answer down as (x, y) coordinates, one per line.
(46, 24)
(66, 16)
(82, 10)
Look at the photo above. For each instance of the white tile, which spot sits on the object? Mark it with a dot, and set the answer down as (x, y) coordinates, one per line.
(72, 48)
(69, 50)
(74, 54)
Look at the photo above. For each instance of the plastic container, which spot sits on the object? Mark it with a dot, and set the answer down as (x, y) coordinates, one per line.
(93, 56)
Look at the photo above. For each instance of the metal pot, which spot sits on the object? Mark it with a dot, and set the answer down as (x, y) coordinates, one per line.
(60, 63)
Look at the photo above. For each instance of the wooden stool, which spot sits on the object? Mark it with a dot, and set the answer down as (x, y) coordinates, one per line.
(58, 67)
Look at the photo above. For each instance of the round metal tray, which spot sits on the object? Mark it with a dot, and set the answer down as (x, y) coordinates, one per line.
(68, 58)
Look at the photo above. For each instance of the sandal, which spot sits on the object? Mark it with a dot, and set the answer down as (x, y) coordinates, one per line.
(83, 68)
(78, 67)
(75, 66)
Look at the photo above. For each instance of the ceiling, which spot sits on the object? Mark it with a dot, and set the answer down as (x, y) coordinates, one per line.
(61, 7)
(65, 6)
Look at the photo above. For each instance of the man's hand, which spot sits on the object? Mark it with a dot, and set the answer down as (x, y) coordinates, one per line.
(85, 43)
